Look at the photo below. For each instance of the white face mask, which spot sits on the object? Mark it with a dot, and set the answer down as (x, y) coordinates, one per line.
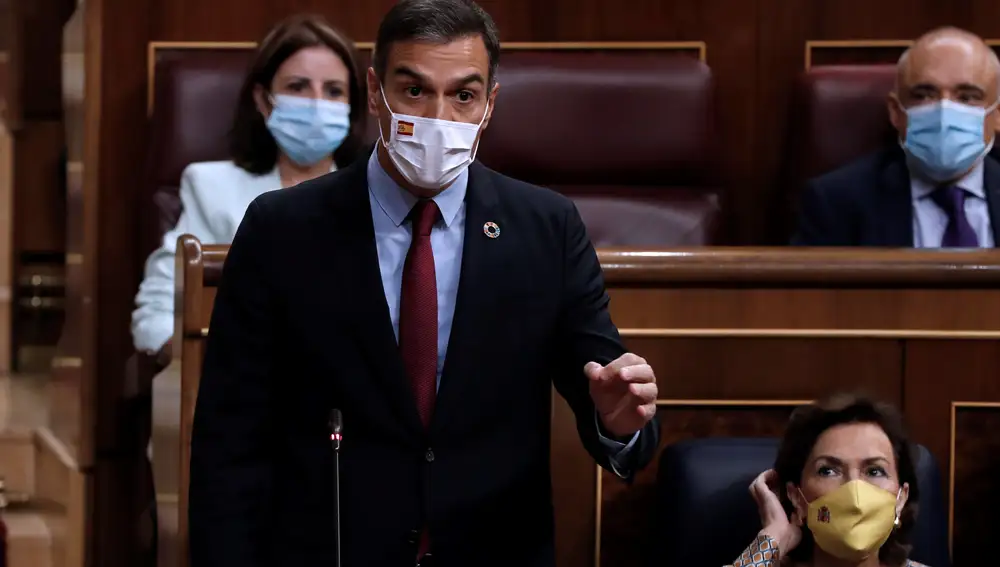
(428, 152)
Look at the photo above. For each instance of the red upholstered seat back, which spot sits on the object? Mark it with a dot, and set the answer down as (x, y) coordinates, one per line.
(839, 115)
(628, 134)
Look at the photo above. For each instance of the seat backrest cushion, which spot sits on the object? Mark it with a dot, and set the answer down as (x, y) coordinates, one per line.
(628, 134)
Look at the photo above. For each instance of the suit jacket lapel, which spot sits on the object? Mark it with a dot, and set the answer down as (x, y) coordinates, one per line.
(895, 206)
(478, 280)
(991, 185)
(356, 260)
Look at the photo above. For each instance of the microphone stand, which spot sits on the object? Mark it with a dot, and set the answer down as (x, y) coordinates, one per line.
(336, 427)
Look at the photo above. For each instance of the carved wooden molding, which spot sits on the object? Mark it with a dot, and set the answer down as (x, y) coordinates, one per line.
(901, 44)
(956, 409)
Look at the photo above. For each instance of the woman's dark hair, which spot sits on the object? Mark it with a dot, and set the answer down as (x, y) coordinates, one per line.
(250, 143)
(805, 427)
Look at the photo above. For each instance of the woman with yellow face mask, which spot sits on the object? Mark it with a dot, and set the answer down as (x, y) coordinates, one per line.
(838, 495)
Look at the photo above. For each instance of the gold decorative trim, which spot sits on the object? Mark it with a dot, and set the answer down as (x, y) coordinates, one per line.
(67, 362)
(36, 303)
(167, 498)
(732, 403)
(700, 46)
(53, 443)
(74, 259)
(155, 45)
(851, 44)
(666, 402)
(955, 406)
(809, 333)
(864, 44)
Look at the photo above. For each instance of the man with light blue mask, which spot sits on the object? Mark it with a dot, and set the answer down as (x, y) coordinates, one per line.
(939, 187)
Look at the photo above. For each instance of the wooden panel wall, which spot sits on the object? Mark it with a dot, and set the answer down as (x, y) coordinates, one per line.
(6, 245)
(32, 31)
(755, 47)
(739, 337)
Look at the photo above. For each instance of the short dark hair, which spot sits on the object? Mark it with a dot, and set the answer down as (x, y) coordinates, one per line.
(251, 145)
(436, 21)
(805, 427)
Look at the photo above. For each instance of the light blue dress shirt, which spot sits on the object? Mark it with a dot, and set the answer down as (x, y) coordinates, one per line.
(930, 220)
(390, 206)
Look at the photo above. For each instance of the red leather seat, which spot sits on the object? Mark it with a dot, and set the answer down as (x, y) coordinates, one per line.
(839, 115)
(194, 99)
(629, 135)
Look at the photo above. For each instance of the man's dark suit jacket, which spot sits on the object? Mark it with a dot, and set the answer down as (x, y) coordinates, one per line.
(300, 326)
(870, 203)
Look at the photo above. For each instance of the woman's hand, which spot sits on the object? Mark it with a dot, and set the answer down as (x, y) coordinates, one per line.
(776, 524)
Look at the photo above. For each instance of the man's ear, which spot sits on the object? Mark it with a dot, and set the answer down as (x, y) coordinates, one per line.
(492, 102)
(897, 114)
(374, 91)
(993, 122)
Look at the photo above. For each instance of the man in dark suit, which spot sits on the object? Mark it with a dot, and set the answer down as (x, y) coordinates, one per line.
(434, 302)
(939, 188)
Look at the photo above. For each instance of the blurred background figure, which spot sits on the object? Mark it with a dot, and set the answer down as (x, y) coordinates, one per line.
(299, 116)
(938, 187)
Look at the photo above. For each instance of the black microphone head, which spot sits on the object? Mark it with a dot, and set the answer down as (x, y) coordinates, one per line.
(336, 421)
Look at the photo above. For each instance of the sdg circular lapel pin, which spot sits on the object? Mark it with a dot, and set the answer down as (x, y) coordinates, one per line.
(491, 229)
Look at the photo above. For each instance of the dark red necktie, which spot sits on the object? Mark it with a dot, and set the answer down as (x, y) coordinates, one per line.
(959, 233)
(418, 328)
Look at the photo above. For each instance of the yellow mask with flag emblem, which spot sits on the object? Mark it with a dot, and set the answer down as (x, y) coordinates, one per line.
(853, 521)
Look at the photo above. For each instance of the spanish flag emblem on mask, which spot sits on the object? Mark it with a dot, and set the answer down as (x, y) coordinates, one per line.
(404, 128)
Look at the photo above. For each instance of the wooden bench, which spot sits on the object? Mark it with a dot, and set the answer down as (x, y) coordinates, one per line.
(739, 337)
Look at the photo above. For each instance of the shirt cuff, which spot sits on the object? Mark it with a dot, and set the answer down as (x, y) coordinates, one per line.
(618, 452)
(150, 335)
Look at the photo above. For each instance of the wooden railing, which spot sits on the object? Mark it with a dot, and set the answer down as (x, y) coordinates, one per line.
(738, 338)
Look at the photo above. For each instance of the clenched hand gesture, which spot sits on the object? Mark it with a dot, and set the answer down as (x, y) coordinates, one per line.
(624, 393)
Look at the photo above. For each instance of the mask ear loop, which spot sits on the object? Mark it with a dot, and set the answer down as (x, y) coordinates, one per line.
(381, 136)
(804, 516)
(896, 523)
(480, 133)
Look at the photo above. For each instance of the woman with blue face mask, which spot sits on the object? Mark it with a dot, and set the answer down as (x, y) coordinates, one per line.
(298, 116)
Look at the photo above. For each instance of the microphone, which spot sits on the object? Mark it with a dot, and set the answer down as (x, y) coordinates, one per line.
(336, 434)
(336, 428)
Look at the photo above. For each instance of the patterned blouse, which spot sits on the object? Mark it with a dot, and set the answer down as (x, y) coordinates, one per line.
(763, 552)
